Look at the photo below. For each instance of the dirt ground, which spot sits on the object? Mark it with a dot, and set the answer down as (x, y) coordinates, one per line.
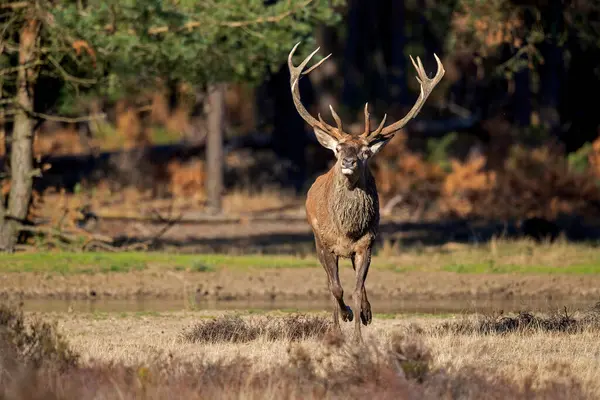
(135, 338)
(298, 284)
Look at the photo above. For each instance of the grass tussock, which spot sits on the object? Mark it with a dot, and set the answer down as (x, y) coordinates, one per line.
(238, 330)
(32, 344)
(525, 322)
(400, 369)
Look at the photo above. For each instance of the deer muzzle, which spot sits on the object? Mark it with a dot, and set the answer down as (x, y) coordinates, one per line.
(348, 166)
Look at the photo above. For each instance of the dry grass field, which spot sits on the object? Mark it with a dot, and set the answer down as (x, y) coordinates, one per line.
(275, 355)
(429, 338)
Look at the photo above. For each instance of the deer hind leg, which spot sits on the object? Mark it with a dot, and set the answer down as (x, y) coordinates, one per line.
(361, 262)
(330, 264)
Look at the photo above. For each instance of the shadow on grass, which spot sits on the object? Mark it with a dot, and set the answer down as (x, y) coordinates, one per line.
(408, 234)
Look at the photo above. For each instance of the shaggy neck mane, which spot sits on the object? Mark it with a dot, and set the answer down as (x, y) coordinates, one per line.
(353, 207)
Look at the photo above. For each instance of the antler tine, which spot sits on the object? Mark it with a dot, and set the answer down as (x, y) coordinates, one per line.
(377, 131)
(337, 119)
(308, 71)
(367, 134)
(427, 86)
(295, 73)
(367, 122)
(321, 119)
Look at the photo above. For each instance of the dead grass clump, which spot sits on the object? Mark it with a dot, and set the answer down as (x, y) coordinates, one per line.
(237, 330)
(298, 327)
(524, 322)
(33, 345)
(225, 329)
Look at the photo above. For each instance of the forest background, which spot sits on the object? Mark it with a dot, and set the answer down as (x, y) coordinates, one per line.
(173, 112)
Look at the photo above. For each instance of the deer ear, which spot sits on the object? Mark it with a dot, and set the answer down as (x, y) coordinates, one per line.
(377, 145)
(326, 141)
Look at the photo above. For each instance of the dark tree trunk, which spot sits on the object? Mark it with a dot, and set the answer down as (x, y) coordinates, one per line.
(578, 109)
(522, 98)
(356, 54)
(3, 143)
(431, 45)
(214, 148)
(21, 159)
(397, 60)
(552, 71)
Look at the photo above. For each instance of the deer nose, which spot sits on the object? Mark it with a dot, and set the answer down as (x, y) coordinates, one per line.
(348, 163)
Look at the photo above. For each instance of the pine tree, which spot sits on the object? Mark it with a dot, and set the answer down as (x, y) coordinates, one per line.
(112, 48)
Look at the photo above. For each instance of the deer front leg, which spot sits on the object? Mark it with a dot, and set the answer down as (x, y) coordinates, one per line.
(330, 264)
(361, 261)
(365, 307)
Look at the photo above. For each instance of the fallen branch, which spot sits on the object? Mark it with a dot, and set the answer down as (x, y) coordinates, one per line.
(100, 245)
(169, 223)
(15, 5)
(69, 236)
(203, 218)
(56, 118)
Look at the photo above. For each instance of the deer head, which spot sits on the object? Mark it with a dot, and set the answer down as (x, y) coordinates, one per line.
(354, 151)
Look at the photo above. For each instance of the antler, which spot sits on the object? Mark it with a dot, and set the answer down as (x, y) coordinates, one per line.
(367, 133)
(427, 86)
(295, 73)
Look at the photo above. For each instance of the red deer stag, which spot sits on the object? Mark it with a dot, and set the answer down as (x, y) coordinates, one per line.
(342, 206)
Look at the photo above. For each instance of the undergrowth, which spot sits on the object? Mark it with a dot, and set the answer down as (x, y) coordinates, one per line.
(525, 322)
(32, 344)
(40, 366)
(236, 329)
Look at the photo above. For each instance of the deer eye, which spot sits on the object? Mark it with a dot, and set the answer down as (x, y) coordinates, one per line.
(365, 153)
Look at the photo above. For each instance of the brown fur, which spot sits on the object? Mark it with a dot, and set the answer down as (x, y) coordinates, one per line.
(343, 211)
(347, 220)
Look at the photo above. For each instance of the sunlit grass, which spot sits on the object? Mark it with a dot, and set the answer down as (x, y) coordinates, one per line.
(64, 262)
(497, 257)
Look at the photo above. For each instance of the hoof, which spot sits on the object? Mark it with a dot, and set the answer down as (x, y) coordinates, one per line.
(365, 314)
(347, 314)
